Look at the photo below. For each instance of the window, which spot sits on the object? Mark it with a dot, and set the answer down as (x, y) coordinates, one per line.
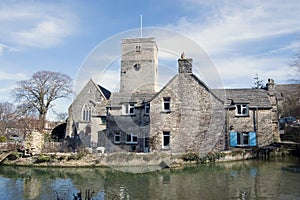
(128, 109)
(147, 108)
(138, 48)
(241, 110)
(102, 119)
(166, 140)
(131, 139)
(86, 113)
(117, 138)
(166, 104)
(242, 139)
(137, 66)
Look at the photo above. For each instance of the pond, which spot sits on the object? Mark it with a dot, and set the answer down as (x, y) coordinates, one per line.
(251, 179)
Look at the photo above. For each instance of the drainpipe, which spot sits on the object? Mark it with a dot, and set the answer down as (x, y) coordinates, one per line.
(255, 122)
(226, 129)
(254, 119)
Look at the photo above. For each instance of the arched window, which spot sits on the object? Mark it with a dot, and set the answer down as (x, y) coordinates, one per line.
(87, 113)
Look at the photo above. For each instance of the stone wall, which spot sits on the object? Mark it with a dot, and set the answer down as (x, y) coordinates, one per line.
(139, 65)
(34, 142)
(195, 121)
(138, 124)
(259, 121)
(88, 130)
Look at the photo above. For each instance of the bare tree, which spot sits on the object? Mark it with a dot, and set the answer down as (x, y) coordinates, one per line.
(26, 120)
(7, 116)
(295, 64)
(39, 92)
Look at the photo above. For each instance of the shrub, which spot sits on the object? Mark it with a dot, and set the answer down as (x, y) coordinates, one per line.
(3, 138)
(42, 159)
(13, 156)
(211, 157)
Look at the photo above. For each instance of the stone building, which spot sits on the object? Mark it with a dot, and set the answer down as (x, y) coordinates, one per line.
(185, 115)
(87, 114)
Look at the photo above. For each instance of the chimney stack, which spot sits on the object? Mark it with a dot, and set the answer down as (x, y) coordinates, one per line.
(185, 65)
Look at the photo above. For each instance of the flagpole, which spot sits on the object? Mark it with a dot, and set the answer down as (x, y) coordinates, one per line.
(141, 20)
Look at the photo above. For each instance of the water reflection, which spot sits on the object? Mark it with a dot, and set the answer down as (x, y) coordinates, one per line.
(253, 179)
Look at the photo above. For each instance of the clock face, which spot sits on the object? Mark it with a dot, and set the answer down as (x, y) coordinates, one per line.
(137, 66)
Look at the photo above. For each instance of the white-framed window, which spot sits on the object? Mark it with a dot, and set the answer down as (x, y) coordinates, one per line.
(166, 104)
(166, 140)
(131, 138)
(87, 113)
(147, 108)
(241, 110)
(117, 138)
(128, 109)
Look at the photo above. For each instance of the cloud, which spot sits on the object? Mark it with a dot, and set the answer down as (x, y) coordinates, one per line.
(233, 23)
(12, 76)
(35, 24)
(245, 37)
(240, 71)
(2, 47)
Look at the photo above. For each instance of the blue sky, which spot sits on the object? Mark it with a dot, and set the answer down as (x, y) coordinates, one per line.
(240, 38)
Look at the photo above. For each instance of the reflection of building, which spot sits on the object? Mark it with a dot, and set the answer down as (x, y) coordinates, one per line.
(32, 188)
(185, 115)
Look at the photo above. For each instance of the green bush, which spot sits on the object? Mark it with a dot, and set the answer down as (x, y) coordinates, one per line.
(3, 138)
(72, 157)
(211, 157)
(13, 156)
(42, 159)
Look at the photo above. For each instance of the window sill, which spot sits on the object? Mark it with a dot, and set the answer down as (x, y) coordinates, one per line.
(131, 142)
(242, 146)
(165, 111)
(242, 115)
(128, 115)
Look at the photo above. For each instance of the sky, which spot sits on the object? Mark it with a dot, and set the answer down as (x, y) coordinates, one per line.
(230, 41)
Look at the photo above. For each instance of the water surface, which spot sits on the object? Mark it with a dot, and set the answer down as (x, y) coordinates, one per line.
(252, 179)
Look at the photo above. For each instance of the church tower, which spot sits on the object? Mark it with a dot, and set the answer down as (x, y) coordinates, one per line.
(139, 65)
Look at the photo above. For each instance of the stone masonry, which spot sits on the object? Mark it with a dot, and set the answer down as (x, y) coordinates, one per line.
(184, 116)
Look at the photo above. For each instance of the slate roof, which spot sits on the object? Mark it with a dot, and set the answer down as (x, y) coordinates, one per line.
(287, 90)
(117, 99)
(255, 98)
(105, 92)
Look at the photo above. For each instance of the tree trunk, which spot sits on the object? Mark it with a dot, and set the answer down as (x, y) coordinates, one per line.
(42, 120)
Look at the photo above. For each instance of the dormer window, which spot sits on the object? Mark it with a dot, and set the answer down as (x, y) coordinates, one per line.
(241, 110)
(128, 109)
